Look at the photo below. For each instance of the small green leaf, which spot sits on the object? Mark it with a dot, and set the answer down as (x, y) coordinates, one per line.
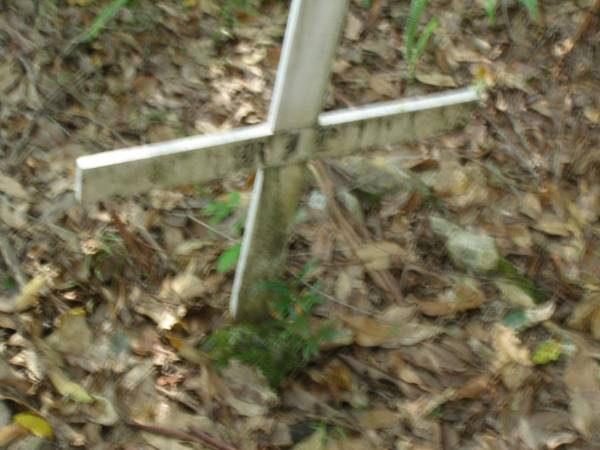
(36, 425)
(9, 284)
(490, 10)
(219, 210)
(228, 259)
(547, 352)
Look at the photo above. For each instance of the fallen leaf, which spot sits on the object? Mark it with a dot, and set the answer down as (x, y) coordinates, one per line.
(435, 79)
(513, 294)
(546, 352)
(10, 432)
(581, 379)
(68, 388)
(12, 187)
(584, 311)
(13, 214)
(164, 314)
(381, 255)
(509, 347)
(464, 296)
(354, 27)
(250, 394)
(378, 419)
(369, 332)
(521, 319)
(73, 335)
(592, 114)
(530, 206)
(473, 251)
(383, 86)
(547, 430)
(28, 296)
(552, 225)
(38, 426)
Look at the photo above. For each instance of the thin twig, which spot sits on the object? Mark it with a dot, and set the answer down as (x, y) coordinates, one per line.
(194, 435)
(211, 228)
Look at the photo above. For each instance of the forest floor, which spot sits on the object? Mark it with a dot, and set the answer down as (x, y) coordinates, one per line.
(467, 316)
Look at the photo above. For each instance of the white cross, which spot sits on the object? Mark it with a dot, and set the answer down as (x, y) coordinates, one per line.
(295, 132)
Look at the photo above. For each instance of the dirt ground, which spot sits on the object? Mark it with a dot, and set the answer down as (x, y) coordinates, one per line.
(467, 311)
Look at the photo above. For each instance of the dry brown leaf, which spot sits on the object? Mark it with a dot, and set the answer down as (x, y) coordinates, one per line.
(436, 358)
(383, 86)
(546, 430)
(369, 332)
(581, 379)
(530, 206)
(164, 314)
(248, 391)
(73, 335)
(473, 388)
(382, 255)
(13, 214)
(10, 432)
(509, 347)
(12, 187)
(464, 296)
(584, 311)
(398, 315)
(378, 419)
(354, 27)
(592, 114)
(436, 79)
(552, 225)
(28, 296)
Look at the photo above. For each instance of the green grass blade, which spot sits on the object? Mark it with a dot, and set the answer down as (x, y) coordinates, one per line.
(490, 10)
(100, 21)
(421, 45)
(410, 28)
(532, 8)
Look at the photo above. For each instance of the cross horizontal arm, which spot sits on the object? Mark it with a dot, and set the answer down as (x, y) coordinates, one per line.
(208, 157)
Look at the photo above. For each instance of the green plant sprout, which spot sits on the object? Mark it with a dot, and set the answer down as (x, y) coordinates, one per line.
(219, 210)
(101, 20)
(281, 345)
(415, 46)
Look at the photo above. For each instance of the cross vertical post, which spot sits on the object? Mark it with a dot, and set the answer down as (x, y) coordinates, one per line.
(309, 46)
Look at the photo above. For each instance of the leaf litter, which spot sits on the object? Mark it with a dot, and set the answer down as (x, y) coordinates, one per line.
(461, 274)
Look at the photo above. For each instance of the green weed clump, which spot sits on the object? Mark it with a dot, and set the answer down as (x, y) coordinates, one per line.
(415, 43)
(278, 347)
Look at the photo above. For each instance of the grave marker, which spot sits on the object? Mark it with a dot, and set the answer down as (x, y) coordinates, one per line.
(296, 131)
